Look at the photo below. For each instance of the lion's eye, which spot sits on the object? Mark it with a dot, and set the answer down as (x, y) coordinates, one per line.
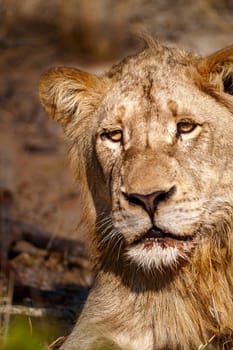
(115, 135)
(185, 127)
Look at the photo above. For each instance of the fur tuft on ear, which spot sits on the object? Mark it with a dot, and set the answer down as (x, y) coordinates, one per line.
(218, 69)
(67, 93)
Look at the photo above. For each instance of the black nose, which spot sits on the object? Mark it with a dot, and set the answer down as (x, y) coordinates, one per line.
(150, 201)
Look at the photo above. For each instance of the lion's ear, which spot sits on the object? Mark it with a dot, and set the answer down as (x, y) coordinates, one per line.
(67, 93)
(218, 69)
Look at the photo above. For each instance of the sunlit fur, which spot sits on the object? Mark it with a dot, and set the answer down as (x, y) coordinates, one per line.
(156, 258)
(163, 299)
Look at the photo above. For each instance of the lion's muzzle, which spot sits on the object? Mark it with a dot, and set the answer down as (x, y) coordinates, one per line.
(149, 202)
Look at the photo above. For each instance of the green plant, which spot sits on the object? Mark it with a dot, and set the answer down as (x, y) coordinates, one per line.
(22, 336)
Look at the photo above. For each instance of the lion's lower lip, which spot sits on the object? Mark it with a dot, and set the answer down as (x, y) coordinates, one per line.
(155, 234)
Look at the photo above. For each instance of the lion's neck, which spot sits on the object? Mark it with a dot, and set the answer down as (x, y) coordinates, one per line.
(192, 301)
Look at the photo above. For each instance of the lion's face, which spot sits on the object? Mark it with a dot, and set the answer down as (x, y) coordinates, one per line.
(163, 149)
(166, 164)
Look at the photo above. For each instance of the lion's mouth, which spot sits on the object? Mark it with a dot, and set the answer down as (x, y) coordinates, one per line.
(164, 239)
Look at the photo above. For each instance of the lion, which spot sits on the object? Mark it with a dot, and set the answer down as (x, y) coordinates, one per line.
(151, 145)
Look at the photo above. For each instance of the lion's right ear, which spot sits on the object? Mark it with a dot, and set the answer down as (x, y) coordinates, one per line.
(67, 93)
(218, 69)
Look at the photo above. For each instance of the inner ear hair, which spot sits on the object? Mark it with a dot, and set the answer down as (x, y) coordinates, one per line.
(228, 81)
(222, 76)
(218, 69)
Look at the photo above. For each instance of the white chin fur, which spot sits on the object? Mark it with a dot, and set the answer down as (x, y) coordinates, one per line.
(157, 257)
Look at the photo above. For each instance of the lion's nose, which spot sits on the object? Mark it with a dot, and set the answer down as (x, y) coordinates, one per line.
(150, 201)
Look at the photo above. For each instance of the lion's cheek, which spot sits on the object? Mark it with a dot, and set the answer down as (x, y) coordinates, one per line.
(107, 154)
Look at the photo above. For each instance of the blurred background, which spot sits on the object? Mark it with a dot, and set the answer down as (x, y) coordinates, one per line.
(39, 204)
(99, 30)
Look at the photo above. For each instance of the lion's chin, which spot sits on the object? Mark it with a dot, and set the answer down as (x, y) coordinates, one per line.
(158, 249)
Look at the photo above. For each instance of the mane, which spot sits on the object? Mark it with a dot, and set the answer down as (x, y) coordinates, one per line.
(193, 299)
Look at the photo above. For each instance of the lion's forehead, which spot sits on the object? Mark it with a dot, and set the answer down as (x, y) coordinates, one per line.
(153, 103)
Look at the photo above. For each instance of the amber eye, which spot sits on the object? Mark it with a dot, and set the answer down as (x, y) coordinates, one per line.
(185, 127)
(115, 135)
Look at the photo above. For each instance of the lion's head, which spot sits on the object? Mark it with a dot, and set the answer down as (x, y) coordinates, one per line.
(154, 140)
(151, 144)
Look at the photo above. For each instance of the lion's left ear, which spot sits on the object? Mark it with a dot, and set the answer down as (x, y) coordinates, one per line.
(68, 93)
(218, 69)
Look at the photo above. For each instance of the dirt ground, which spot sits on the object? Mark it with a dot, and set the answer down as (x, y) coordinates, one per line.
(44, 262)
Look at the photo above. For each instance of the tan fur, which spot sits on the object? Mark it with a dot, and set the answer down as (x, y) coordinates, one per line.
(176, 291)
